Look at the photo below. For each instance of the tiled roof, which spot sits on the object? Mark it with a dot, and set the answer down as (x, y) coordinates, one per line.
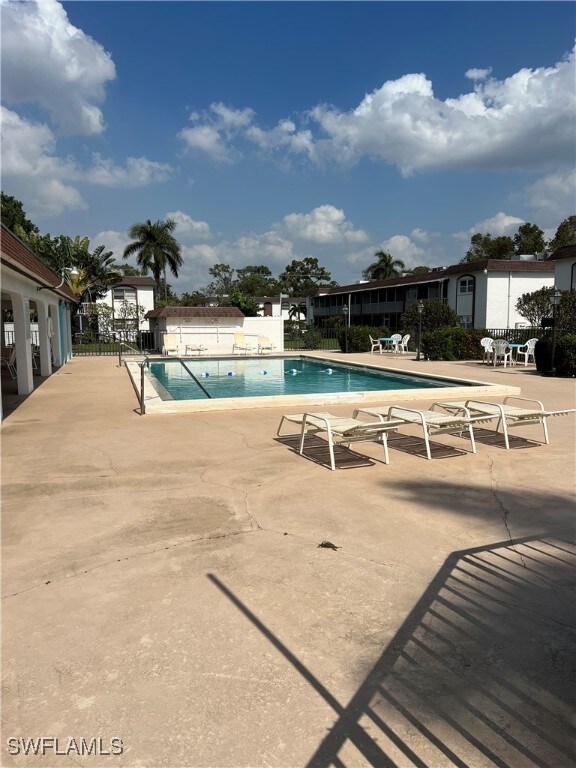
(186, 312)
(136, 280)
(492, 265)
(565, 252)
(18, 256)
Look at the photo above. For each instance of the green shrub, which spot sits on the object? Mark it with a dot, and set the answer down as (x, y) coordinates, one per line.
(435, 315)
(453, 344)
(565, 357)
(358, 340)
(312, 339)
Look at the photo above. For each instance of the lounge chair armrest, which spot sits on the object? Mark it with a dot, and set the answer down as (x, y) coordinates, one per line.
(400, 408)
(524, 400)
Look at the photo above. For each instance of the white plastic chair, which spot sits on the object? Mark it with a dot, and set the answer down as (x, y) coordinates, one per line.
(527, 351)
(487, 343)
(375, 344)
(501, 350)
(403, 343)
(396, 339)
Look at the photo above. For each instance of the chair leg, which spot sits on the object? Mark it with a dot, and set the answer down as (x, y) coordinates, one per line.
(385, 444)
(472, 441)
(427, 442)
(545, 427)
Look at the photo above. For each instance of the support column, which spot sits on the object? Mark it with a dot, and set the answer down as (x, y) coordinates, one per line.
(43, 339)
(23, 337)
(55, 338)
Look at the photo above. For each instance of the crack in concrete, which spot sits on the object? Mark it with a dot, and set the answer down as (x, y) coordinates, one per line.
(504, 511)
(208, 537)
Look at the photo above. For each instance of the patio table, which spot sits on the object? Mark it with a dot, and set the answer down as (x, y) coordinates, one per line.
(514, 352)
(387, 341)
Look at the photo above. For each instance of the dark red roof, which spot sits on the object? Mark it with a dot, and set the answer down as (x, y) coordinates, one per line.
(136, 280)
(492, 265)
(18, 256)
(563, 253)
(186, 312)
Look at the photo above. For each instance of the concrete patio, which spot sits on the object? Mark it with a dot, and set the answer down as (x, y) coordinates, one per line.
(162, 584)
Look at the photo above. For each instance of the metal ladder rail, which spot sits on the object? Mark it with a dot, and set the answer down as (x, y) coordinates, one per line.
(124, 344)
(183, 364)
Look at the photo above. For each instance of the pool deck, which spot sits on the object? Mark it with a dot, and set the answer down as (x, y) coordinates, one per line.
(162, 583)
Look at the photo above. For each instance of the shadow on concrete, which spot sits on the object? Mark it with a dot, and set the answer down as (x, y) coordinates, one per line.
(316, 450)
(11, 400)
(480, 673)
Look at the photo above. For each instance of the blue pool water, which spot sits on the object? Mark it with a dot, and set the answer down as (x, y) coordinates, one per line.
(269, 376)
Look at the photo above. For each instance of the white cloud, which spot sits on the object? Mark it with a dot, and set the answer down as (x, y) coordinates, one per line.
(478, 74)
(525, 121)
(325, 225)
(138, 172)
(553, 197)
(115, 242)
(403, 248)
(500, 224)
(214, 130)
(46, 183)
(32, 172)
(48, 61)
(186, 226)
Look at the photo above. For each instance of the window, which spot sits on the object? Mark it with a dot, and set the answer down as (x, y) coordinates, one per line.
(466, 285)
(466, 321)
(125, 294)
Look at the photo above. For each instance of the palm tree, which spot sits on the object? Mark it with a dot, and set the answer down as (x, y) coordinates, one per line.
(383, 268)
(296, 310)
(155, 248)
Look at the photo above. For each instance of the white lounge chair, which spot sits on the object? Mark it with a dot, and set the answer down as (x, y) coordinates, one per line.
(197, 349)
(375, 344)
(265, 345)
(508, 415)
(341, 431)
(240, 343)
(169, 345)
(432, 423)
(527, 351)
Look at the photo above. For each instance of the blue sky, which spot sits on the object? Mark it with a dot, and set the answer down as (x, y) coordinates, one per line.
(274, 131)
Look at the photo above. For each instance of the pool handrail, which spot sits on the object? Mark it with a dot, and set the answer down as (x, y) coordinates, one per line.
(183, 364)
(124, 344)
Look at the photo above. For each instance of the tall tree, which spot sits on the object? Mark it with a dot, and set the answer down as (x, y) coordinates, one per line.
(384, 267)
(155, 248)
(565, 234)
(529, 239)
(303, 278)
(14, 216)
(256, 281)
(223, 280)
(484, 247)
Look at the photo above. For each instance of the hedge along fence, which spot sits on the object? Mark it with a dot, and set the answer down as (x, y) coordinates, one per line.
(359, 337)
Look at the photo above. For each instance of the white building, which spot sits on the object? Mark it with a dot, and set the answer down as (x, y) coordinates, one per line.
(482, 293)
(129, 300)
(564, 260)
(29, 287)
(212, 328)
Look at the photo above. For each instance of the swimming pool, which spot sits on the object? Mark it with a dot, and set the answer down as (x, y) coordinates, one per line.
(181, 385)
(273, 377)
